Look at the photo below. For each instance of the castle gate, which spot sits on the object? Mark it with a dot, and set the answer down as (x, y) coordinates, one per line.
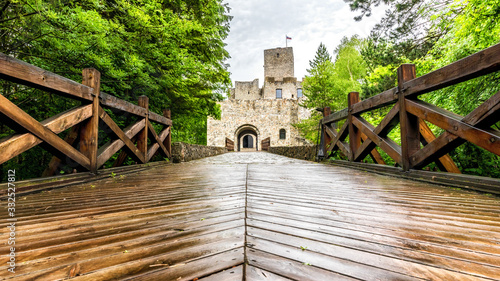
(246, 138)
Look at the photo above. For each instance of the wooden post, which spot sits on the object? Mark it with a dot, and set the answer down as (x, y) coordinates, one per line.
(410, 135)
(354, 133)
(168, 141)
(327, 139)
(142, 137)
(89, 130)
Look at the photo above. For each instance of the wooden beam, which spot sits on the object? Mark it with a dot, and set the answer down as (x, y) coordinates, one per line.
(410, 136)
(386, 144)
(335, 117)
(23, 73)
(485, 115)
(383, 99)
(110, 101)
(338, 139)
(478, 64)
(168, 141)
(109, 149)
(89, 133)
(134, 152)
(14, 145)
(20, 117)
(159, 119)
(55, 162)
(154, 147)
(142, 138)
(375, 155)
(487, 139)
(390, 120)
(428, 136)
(327, 139)
(354, 134)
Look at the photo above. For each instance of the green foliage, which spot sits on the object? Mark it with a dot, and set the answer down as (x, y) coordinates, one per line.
(327, 82)
(171, 51)
(446, 31)
(321, 56)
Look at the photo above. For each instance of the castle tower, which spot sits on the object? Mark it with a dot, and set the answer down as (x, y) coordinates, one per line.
(278, 63)
(252, 116)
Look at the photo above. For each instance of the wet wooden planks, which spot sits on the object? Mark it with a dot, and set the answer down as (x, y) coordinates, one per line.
(175, 222)
(310, 221)
(255, 216)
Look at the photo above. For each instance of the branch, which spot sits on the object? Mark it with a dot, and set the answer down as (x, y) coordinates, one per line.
(25, 15)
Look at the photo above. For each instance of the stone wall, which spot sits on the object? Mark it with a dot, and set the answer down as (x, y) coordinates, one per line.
(278, 63)
(183, 152)
(265, 117)
(299, 152)
(288, 88)
(247, 90)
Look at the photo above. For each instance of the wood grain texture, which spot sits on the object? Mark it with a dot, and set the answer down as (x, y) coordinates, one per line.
(478, 64)
(109, 101)
(16, 144)
(134, 152)
(446, 163)
(89, 130)
(23, 73)
(110, 148)
(24, 120)
(271, 218)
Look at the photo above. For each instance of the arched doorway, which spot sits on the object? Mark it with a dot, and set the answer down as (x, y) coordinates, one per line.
(248, 141)
(247, 138)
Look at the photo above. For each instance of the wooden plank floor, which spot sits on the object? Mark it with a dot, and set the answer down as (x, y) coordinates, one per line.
(254, 216)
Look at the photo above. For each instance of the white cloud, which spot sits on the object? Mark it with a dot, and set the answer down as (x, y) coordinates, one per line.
(258, 25)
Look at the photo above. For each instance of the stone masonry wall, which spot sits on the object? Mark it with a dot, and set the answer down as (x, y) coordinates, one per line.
(299, 152)
(266, 116)
(278, 63)
(184, 152)
(247, 90)
(288, 88)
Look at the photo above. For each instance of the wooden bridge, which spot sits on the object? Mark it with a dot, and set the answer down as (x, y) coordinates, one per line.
(257, 216)
(252, 216)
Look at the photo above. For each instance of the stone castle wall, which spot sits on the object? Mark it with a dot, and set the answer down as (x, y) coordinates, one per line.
(288, 88)
(265, 116)
(278, 63)
(247, 90)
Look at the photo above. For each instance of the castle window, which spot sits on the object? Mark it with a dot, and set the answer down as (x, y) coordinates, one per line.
(299, 93)
(278, 93)
(282, 134)
(277, 55)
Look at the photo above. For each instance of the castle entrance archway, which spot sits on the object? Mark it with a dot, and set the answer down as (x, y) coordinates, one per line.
(247, 138)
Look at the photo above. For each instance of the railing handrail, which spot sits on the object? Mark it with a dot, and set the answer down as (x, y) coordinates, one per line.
(83, 120)
(479, 64)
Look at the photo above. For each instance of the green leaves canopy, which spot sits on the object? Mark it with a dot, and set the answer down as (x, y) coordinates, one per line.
(170, 51)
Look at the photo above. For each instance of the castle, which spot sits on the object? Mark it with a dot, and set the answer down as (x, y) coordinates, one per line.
(253, 117)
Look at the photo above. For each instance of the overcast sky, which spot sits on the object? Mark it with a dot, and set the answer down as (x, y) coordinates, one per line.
(263, 24)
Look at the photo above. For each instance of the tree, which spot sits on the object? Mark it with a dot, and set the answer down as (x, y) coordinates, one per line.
(171, 51)
(328, 83)
(318, 85)
(321, 56)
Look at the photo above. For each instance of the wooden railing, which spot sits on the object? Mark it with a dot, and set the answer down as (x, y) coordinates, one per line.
(83, 121)
(410, 113)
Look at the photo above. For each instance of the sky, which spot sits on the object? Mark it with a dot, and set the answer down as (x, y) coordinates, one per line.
(263, 24)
